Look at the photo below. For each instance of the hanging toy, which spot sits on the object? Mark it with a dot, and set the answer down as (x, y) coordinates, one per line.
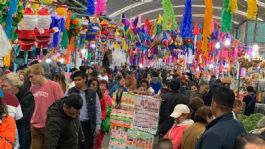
(101, 6)
(43, 31)
(61, 11)
(47, 2)
(25, 31)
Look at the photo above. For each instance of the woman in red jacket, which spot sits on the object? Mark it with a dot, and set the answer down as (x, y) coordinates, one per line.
(181, 115)
(106, 103)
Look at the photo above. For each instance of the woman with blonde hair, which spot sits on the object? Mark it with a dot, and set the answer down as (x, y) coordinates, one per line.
(13, 85)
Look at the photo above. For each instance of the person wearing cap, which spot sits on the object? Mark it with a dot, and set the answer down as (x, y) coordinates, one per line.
(224, 129)
(169, 101)
(181, 115)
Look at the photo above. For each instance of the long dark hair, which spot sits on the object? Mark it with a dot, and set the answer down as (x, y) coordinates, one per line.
(3, 110)
(98, 91)
(60, 78)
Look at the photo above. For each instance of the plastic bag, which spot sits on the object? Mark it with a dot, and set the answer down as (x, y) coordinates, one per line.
(105, 126)
(5, 46)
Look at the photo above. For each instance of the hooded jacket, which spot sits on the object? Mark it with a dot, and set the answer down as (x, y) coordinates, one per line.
(62, 132)
(26, 100)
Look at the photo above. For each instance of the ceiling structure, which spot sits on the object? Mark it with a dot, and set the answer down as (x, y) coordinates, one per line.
(152, 8)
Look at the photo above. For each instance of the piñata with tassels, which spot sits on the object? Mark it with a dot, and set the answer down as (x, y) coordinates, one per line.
(186, 25)
(12, 10)
(169, 20)
(252, 9)
(90, 7)
(226, 21)
(233, 6)
(207, 25)
(101, 6)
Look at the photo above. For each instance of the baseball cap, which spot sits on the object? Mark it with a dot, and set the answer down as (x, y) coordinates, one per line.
(180, 109)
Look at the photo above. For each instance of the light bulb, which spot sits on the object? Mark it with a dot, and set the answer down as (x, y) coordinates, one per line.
(211, 66)
(218, 45)
(83, 51)
(93, 45)
(48, 60)
(141, 65)
(255, 47)
(227, 42)
(61, 60)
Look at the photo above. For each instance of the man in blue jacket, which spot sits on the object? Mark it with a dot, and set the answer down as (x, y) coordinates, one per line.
(222, 132)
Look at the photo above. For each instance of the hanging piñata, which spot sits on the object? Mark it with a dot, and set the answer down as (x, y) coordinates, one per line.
(186, 25)
(226, 21)
(252, 9)
(43, 31)
(207, 24)
(169, 19)
(101, 6)
(233, 6)
(25, 31)
(90, 7)
(12, 10)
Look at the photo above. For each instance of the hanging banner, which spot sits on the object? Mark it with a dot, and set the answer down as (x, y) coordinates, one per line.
(134, 121)
(146, 114)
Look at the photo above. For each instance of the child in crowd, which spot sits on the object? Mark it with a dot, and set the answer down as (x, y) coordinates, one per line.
(181, 115)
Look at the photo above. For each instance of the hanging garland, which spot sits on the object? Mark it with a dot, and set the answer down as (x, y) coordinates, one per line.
(226, 21)
(186, 25)
(252, 9)
(169, 20)
(207, 25)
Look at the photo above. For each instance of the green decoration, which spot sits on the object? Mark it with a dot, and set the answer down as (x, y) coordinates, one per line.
(169, 19)
(3, 11)
(65, 39)
(155, 27)
(89, 56)
(226, 21)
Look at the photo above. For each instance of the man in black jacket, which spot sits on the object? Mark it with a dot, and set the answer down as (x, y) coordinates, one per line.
(90, 113)
(222, 132)
(63, 129)
(169, 101)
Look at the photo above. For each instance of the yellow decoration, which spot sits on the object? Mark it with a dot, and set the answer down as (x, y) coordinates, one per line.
(61, 11)
(47, 2)
(207, 26)
(160, 19)
(252, 9)
(233, 6)
(124, 45)
(117, 46)
(35, 6)
(7, 60)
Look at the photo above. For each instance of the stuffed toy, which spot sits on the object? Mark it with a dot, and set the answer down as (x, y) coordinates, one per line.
(42, 30)
(25, 31)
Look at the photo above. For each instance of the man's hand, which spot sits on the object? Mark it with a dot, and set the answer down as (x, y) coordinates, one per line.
(97, 132)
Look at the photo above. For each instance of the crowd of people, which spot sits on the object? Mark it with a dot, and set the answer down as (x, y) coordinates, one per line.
(42, 109)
